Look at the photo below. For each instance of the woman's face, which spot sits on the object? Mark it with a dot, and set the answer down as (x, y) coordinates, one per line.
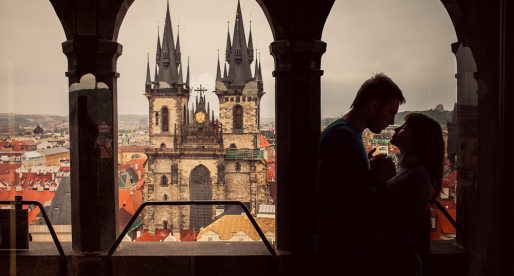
(402, 138)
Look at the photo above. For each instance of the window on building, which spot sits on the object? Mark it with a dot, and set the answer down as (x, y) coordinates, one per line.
(165, 197)
(165, 223)
(209, 239)
(238, 117)
(165, 119)
(156, 118)
(164, 181)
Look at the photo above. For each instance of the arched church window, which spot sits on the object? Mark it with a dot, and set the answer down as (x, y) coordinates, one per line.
(156, 118)
(184, 121)
(238, 117)
(233, 146)
(200, 189)
(163, 146)
(238, 167)
(165, 120)
(164, 181)
(165, 197)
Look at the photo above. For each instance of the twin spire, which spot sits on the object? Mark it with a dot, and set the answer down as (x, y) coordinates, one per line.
(239, 55)
(168, 55)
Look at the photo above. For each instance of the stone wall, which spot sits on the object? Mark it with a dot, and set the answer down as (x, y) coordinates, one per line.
(175, 105)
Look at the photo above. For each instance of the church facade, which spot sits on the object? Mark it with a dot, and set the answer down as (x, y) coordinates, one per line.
(191, 155)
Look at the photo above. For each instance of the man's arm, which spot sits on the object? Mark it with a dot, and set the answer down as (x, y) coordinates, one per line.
(333, 182)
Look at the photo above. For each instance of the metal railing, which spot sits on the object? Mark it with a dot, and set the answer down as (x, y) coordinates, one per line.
(50, 227)
(190, 202)
(244, 154)
(447, 215)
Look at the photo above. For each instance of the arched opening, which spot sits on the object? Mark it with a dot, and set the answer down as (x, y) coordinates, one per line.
(164, 181)
(165, 119)
(200, 189)
(233, 146)
(238, 117)
(163, 146)
(165, 198)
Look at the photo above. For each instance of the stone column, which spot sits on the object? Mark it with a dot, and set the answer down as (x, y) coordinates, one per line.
(91, 28)
(297, 103)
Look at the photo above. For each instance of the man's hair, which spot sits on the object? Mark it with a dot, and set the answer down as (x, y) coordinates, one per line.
(380, 87)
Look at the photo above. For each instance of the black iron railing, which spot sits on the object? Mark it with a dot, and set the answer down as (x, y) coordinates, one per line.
(48, 223)
(452, 221)
(190, 202)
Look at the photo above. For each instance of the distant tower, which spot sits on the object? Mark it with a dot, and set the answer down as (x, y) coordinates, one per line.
(239, 92)
(239, 95)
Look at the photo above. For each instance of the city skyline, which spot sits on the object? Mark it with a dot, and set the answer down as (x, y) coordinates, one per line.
(410, 43)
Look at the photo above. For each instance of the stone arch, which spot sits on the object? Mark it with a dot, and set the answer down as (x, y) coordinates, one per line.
(200, 189)
(238, 117)
(233, 146)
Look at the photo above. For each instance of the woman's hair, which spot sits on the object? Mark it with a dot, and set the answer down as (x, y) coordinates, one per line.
(427, 138)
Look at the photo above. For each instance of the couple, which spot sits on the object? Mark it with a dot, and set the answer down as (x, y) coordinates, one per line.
(366, 206)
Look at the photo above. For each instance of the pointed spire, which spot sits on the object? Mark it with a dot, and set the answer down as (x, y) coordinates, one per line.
(178, 57)
(187, 76)
(168, 67)
(229, 45)
(260, 72)
(239, 64)
(158, 52)
(148, 79)
(250, 43)
(256, 71)
(225, 71)
(218, 72)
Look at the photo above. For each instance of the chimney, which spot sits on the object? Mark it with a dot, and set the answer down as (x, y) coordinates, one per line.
(136, 166)
(53, 176)
(131, 192)
(21, 174)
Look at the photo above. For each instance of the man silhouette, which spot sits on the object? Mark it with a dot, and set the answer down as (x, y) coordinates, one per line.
(345, 181)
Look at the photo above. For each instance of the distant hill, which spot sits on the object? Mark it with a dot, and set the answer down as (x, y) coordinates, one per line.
(442, 117)
(128, 118)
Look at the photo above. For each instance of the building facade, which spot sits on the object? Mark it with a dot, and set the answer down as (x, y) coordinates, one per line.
(192, 156)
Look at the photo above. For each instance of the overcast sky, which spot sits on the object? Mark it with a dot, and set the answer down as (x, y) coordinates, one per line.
(409, 40)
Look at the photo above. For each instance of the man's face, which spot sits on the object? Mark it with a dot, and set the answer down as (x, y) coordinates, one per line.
(382, 115)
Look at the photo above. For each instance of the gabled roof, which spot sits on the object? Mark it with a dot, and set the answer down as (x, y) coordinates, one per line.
(188, 235)
(228, 225)
(264, 142)
(60, 210)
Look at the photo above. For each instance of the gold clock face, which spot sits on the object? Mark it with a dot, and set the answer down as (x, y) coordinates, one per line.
(200, 117)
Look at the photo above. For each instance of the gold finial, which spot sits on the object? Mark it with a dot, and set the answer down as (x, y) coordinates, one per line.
(250, 17)
(179, 22)
(228, 18)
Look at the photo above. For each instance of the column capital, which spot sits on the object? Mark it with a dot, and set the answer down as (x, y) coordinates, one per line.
(302, 56)
(92, 55)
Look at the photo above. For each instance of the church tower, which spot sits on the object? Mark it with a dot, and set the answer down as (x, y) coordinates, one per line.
(239, 92)
(239, 95)
(188, 156)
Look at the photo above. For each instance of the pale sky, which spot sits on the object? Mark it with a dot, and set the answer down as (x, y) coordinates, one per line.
(409, 40)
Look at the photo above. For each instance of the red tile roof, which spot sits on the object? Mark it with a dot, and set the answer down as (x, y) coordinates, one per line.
(9, 168)
(160, 235)
(29, 195)
(123, 218)
(140, 183)
(188, 235)
(264, 142)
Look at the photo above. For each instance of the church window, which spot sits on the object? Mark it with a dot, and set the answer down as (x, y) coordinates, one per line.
(231, 99)
(165, 198)
(238, 167)
(165, 120)
(237, 99)
(200, 189)
(226, 99)
(156, 118)
(163, 146)
(238, 117)
(184, 121)
(233, 146)
(244, 99)
(164, 181)
(165, 223)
